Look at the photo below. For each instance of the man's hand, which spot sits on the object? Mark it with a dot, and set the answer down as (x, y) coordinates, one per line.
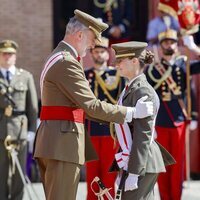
(115, 32)
(193, 125)
(143, 109)
(131, 182)
(30, 138)
(188, 40)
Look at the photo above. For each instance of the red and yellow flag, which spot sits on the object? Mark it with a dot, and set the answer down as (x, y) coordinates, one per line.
(186, 11)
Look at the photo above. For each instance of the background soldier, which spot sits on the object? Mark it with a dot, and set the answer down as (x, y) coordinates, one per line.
(18, 113)
(118, 15)
(169, 80)
(107, 85)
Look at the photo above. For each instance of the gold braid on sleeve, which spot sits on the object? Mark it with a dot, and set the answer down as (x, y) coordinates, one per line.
(158, 81)
(106, 87)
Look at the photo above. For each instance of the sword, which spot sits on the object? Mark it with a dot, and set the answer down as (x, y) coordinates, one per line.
(13, 153)
(103, 190)
(121, 185)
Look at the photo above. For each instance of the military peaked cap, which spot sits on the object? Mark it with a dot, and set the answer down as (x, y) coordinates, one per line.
(128, 49)
(8, 46)
(170, 34)
(104, 43)
(96, 25)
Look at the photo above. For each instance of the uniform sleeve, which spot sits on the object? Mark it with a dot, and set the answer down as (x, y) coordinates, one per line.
(142, 133)
(73, 84)
(31, 104)
(151, 31)
(147, 72)
(195, 67)
(175, 24)
(127, 19)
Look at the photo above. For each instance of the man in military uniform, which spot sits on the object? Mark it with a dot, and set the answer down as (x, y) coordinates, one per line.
(62, 146)
(118, 15)
(18, 114)
(169, 80)
(107, 85)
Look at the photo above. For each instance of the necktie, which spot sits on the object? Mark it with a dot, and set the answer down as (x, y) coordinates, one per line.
(78, 58)
(126, 88)
(8, 76)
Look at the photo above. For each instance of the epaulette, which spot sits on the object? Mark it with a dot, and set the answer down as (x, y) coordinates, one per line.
(111, 67)
(88, 69)
(67, 56)
(182, 57)
(20, 71)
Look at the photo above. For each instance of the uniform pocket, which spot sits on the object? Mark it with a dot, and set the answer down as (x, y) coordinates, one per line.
(71, 127)
(20, 90)
(20, 86)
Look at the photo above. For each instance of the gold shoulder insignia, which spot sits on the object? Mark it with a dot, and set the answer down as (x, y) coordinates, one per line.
(182, 57)
(20, 71)
(111, 67)
(66, 55)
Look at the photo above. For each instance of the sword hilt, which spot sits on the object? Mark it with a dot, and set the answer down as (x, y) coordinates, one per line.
(101, 185)
(10, 144)
(103, 190)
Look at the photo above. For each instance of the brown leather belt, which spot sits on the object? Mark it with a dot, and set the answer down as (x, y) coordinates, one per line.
(8, 111)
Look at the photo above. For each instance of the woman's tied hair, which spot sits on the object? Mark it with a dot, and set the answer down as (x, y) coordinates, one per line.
(146, 57)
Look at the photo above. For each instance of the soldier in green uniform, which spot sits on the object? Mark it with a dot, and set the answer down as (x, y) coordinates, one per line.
(107, 85)
(18, 113)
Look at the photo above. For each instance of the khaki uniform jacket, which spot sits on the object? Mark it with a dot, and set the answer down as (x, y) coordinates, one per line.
(22, 91)
(145, 157)
(65, 85)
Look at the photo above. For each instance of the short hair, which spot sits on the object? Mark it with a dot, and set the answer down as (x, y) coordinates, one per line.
(74, 25)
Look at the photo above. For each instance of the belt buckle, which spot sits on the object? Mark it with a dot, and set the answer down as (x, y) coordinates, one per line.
(166, 96)
(8, 111)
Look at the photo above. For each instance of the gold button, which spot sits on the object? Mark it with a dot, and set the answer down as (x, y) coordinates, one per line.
(163, 87)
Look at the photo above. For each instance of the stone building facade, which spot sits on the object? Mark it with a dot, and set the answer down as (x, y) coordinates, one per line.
(29, 23)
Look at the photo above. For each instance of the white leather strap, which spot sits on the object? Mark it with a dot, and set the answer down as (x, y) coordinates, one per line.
(50, 62)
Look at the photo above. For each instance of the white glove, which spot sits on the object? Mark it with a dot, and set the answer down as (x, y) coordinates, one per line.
(30, 139)
(143, 109)
(193, 125)
(188, 40)
(131, 182)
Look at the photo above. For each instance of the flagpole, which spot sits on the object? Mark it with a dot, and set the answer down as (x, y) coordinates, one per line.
(187, 134)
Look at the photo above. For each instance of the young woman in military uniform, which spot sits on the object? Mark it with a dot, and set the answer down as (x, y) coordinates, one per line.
(140, 156)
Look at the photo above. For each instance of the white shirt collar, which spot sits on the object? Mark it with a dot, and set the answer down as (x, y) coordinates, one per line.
(12, 70)
(134, 79)
(73, 49)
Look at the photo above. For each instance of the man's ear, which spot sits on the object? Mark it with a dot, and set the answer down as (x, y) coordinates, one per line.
(79, 35)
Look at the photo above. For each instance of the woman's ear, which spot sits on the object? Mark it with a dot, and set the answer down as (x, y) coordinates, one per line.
(135, 60)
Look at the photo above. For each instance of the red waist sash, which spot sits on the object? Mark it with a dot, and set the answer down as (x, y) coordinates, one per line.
(62, 113)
